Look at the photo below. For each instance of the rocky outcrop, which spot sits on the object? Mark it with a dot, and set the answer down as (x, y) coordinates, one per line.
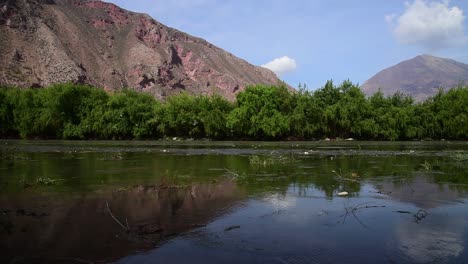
(43, 42)
(419, 77)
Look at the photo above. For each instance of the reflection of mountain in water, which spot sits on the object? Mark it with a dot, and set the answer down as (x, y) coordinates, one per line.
(420, 192)
(66, 229)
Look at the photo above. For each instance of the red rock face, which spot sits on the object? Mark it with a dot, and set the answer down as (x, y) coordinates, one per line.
(100, 23)
(103, 45)
(149, 33)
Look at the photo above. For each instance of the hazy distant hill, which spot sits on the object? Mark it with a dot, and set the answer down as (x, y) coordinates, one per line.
(43, 42)
(420, 77)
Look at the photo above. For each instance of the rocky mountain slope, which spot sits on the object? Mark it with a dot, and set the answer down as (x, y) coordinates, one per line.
(43, 42)
(420, 77)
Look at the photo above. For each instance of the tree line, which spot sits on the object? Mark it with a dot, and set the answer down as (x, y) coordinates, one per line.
(68, 111)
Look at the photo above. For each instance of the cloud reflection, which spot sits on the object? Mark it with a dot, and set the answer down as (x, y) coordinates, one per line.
(429, 243)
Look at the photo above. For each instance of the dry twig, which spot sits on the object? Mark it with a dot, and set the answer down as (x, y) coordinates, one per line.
(127, 228)
(231, 172)
(352, 210)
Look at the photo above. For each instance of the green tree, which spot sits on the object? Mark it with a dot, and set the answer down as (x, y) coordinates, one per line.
(129, 114)
(261, 112)
(307, 116)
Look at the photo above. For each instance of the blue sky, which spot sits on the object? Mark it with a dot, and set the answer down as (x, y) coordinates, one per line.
(317, 40)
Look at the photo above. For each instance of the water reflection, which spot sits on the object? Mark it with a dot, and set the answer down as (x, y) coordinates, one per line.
(311, 229)
(79, 227)
(420, 192)
(431, 243)
(231, 204)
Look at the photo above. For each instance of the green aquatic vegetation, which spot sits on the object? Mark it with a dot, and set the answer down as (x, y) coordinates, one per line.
(257, 160)
(426, 165)
(236, 175)
(46, 181)
(460, 157)
(14, 156)
(113, 156)
(353, 176)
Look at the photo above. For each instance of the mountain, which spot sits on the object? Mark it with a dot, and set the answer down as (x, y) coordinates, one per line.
(43, 42)
(419, 77)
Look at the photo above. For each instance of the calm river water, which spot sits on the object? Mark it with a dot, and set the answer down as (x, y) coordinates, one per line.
(233, 202)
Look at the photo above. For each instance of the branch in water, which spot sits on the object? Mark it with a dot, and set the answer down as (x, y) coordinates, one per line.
(116, 220)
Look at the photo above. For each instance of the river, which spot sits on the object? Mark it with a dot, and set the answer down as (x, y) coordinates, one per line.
(233, 202)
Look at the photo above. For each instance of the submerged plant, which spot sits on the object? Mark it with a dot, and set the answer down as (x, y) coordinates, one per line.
(271, 160)
(460, 157)
(46, 181)
(113, 156)
(426, 165)
(342, 177)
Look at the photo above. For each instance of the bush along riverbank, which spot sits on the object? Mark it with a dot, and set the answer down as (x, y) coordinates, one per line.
(70, 111)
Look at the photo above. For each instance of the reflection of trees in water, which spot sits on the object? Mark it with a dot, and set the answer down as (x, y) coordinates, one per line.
(401, 175)
(81, 227)
(85, 171)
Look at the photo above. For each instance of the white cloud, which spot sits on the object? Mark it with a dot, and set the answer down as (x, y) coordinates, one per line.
(431, 24)
(281, 65)
(279, 202)
(390, 18)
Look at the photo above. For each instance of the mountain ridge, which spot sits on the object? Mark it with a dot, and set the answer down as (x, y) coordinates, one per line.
(98, 43)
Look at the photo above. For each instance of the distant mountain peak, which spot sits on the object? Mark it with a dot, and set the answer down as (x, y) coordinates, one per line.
(419, 77)
(427, 56)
